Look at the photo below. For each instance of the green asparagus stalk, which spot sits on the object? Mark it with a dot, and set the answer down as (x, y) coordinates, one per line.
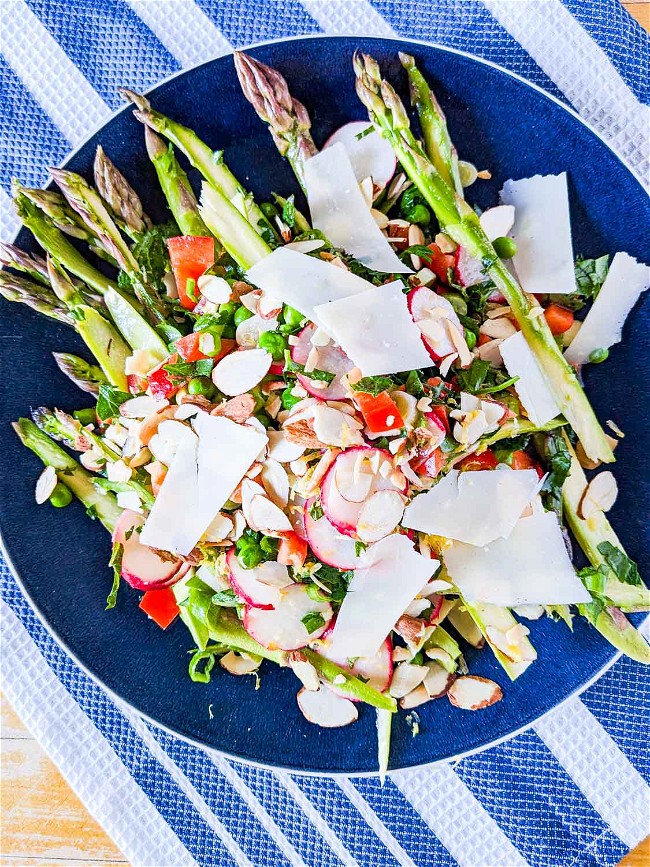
(301, 223)
(87, 376)
(437, 141)
(288, 120)
(101, 504)
(617, 629)
(119, 196)
(210, 163)
(34, 295)
(27, 263)
(591, 533)
(89, 205)
(233, 230)
(53, 241)
(175, 185)
(457, 218)
(491, 618)
(98, 333)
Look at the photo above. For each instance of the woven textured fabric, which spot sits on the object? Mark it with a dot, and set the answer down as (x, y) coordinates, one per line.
(574, 789)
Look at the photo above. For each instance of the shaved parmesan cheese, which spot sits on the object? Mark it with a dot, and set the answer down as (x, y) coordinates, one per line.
(542, 232)
(376, 330)
(530, 567)
(201, 477)
(303, 281)
(340, 211)
(603, 325)
(370, 154)
(534, 394)
(390, 575)
(473, 506)
(497, 222)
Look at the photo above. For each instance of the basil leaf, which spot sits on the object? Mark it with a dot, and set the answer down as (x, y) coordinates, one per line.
(374, 385)
(294, 367)
(472, 378)
(625, 569)
(203, 367)
(289, 212)
(109, 401)
(313, 621)
(116, 564)
(180, 369)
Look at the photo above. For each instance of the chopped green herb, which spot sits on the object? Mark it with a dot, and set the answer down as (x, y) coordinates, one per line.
(316, 510)
(359, 547)
(472, 378)
(374, 385)
(109, 401)
(493, 389)
(225, 598)
(364, 133)
(625, 569)
(294, 367)
(151, 253)
(203, 367)
(209, 656)
(313, 621)
(590, 275)
(289, 212)
(116, 564)
(413, 384)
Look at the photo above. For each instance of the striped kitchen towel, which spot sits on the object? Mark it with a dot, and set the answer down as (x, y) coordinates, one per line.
(573, 790)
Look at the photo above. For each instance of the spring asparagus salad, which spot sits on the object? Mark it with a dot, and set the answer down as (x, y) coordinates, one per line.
(351, 443)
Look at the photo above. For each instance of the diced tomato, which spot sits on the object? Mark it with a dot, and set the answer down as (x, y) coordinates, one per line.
(160, 605)
(161, 384)
(292, 550)
(190, 256)
(482, 339)
(484, 461)
(227, 347)
(440, 263)
(379, 413)
(558, 318)
(430, 464)
(438, 414)
(188, 347)
(522, 461)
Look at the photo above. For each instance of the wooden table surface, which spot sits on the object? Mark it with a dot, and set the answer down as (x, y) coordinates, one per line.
(44, 824)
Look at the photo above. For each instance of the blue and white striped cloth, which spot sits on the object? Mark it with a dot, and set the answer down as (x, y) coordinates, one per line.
(573, 790)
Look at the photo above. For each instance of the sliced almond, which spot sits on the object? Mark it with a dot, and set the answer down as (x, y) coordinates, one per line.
(401, 654)
(437, 680)
(276, 482)
(472, 692)
(241, 371)
(267, 517)
(141, 407)
(406, 677)
(214, 288)
(415, 236)
(415, 698)
(326, 709)
(410, 629)
(218, 528)
(440, 656)
(500, 327)
(45, 484)
(304, 670)
(234, 663)
(599, 496)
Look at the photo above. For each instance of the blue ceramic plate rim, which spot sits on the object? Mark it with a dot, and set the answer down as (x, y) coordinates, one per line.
(616, 655)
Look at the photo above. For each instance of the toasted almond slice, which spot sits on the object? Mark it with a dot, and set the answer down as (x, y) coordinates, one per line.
(437, 679)
(500, 327)
(236, 664)
(268, 517)
(410, 629)
(415, 698)
(599, 496)
(45, 484)
(241, 371)
(445, 243)
(472, 692)
(438, 655)
(276, 482)
(92, 460)
(218, 528)
(406, 678)
(141, 407)
(304, 670)
(214, 288)
(401, 654)
(325, 708)
(417, 607)
(415, 236)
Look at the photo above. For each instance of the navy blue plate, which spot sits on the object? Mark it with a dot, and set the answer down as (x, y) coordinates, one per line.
(498, 121)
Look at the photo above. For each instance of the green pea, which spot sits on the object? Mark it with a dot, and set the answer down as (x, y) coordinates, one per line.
(470, 338)
(420, 214)
(505, 248)
(60, 496)
(263, 418)
(598, 356)
(241, 315)
(457, 302)
(288, 399)
(229, 332)
(292, 317)
(85, 416)
(227, 311)
(274, 343)
(200, 385)
(413, 208)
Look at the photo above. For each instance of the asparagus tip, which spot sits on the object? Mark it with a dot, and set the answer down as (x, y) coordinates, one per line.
(153, 142)
(407, 60)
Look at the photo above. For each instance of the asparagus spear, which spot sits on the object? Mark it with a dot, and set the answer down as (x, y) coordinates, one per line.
(437, 141)
(289, 123)
(119, 196)
(227, 223)
(87, 376)
(491, 619)
(97, 332)
(210, 163)
(389, 117)
(89, 205)
(175, 185)
(101, 504)
(56, 244)
(591, 533)
(34, 295)
(28, 263)
(617, 629)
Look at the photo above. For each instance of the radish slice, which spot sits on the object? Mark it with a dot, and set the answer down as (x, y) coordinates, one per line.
(330, 546)
(370, 155)
(241, 371)
(282, 628)
(375, 670)
(429, 311)
(469, 271)
(379, 515)
(331, 359)
(325, 708)
(142, 568)
(259, 587)
(342, 513)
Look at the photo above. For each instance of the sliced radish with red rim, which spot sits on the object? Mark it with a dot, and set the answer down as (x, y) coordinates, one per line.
(260, 587)
(331, 359)
(330, 546)
(142, 567)
(282, 627)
